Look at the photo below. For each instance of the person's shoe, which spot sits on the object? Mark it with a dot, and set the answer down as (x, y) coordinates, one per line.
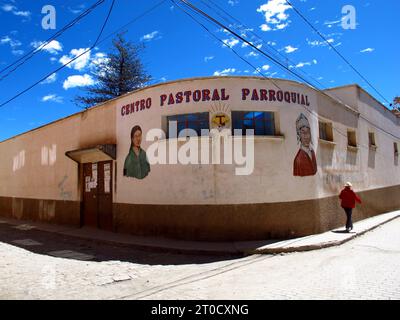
(347, 230)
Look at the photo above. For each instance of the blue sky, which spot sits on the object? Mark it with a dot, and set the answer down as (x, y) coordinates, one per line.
(177, 47)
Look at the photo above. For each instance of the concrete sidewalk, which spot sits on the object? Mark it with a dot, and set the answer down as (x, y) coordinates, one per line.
(313, 242)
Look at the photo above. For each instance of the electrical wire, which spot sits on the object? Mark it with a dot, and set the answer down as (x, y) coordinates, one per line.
(286, 58)
(195, 9)
(66, 64)
(34, 51)
(98, 43)
(335, 50)
(226, 44)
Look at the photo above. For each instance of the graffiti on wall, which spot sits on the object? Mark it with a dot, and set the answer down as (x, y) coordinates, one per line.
(65, 195)
(305, 162)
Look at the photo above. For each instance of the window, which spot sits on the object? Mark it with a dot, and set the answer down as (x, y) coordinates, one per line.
(371, 139)
(325, 131)
(263, 123)
(195, 121)
(351, 138)
(396, 150)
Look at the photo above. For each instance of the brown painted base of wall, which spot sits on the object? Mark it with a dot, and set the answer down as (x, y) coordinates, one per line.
(213, 222)
(249, 221)
(52, 211)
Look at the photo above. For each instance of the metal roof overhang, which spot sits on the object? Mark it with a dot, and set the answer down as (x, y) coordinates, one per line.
(98, 153)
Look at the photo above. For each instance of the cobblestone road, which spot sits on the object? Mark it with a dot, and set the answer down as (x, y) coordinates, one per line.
(40, 265)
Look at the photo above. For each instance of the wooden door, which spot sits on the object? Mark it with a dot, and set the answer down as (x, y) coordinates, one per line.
(97, 195)
(104, 195)
(90, 206)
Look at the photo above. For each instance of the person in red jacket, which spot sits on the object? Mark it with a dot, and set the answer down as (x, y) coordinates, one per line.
(349, 199)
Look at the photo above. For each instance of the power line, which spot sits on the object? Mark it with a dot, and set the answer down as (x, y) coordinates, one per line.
(66, 64)
(133, 20)
(194, 8)
(99, 42)
(335, 50)
(225, 44)
(30, 54)
(257, 36)
(282, 55)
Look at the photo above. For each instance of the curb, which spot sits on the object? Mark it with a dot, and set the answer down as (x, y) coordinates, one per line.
(316, 246)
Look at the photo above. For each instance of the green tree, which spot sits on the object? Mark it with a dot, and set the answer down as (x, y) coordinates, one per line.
(121, 71)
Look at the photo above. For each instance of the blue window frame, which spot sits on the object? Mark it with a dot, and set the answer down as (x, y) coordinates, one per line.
(263, 123)
(194, 121)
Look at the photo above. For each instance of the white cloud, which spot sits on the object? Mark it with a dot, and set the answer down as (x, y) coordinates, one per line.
(318, 43)
(22, 13)
(290, 49)
(265, 27)
(252, 54)
(52, 98)
(367, 50)
(263, 68)
(233, 2)
(79, 63)
(12, 42)
(78, 81)
(230, 42)
(17, 52)
(303, 64)
(78, 9)
(53, 47)
(99, 58)
(275, 15)
(8, 7)
(149, 36)
(330, 24)
(14, 10)
(281, 26)
(224, 72)
(50, 79)
(206, 59)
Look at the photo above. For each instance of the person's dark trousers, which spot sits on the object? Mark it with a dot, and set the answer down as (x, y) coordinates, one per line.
(349, 222)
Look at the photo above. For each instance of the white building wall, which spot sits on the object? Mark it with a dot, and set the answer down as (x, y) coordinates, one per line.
(272, 179)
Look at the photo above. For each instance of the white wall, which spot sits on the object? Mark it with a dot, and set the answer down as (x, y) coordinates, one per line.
(34, 164)
(272, 179)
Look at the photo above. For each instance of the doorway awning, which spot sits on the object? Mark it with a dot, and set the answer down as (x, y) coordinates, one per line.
(101, 152)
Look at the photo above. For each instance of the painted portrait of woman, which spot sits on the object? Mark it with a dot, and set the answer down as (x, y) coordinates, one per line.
(136, 164)
(305, 163)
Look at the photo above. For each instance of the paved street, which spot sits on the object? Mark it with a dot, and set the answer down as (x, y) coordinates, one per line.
(39, 265)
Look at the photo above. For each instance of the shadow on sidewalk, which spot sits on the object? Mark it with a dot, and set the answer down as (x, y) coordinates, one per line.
(343, 231)
(69, 247)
